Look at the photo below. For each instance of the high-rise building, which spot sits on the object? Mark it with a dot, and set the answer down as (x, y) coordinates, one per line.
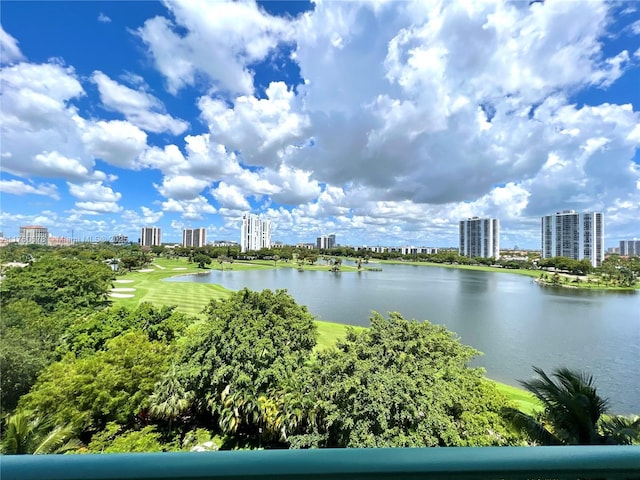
(150, 236)
(480, 237)
(194, 237)
(630, 248)
(34, 234)
(255, 234)
(326, 242)
(574, 235)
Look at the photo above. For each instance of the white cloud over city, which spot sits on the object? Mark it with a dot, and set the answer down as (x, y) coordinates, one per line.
(384, 122)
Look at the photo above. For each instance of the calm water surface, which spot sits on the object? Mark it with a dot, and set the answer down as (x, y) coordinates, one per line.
(512, 320)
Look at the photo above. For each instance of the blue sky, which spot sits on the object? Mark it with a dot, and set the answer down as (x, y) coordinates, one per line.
(383, 122)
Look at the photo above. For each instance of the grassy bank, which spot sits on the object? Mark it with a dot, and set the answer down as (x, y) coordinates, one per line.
(589, 285)
(481, 268)
(191, 298)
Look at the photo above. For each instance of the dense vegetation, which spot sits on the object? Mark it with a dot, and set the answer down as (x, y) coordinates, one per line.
(79, 375)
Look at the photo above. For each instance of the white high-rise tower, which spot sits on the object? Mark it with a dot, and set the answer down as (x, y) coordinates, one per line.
(255, 234)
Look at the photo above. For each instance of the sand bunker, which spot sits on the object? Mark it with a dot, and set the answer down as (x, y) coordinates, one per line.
(147, 270)
(158, 266)
(123, 281)
(123, 289)
(121, 295)
(180, 268)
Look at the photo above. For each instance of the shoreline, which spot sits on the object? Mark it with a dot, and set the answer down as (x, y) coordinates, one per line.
(535, 274)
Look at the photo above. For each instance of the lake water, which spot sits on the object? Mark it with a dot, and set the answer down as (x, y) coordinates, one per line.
(515, 322)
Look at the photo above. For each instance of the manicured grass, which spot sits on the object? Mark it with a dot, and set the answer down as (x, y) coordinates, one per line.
(191, 298)
(329, 333)
(525, 402)
(318, 266)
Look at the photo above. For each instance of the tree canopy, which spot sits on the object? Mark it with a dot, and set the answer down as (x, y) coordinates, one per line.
(402, 383)
(112, 385)
(247, 345)
(53, 283)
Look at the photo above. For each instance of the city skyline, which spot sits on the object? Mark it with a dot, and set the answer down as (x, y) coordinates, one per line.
(390, 137)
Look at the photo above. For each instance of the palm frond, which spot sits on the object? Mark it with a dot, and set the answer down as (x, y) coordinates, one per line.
(535, 429)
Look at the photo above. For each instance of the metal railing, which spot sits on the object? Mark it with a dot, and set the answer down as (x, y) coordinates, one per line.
(389, 463)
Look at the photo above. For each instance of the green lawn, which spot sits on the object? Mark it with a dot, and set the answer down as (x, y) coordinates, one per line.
(191, 298)
(525, 402)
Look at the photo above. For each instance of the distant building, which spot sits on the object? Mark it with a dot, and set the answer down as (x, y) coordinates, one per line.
(630, 248)
(194, 237)
(480, 237)
(60, 242)
(33, 234)
(255, 233)
(574, 235)
(224, 243)
(150, 236)
(308, 246)
(326, 242)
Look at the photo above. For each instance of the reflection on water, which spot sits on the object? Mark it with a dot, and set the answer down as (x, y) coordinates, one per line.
(515, 322)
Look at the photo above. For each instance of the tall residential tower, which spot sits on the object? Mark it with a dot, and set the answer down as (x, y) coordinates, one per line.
(326, 242)
(574, 235)
(255, 234)
(630, 248)
(194, 237)
(480, 237)
(150, 236)
(34, 234)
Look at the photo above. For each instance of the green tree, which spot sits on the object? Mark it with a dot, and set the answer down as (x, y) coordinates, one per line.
(21, 361)
(91, 333)
(202, 259)
(620, 430)
(170, 399)
(572, 409)
(27, 434)
(111, 385)
(401, 384)
(54, 283)
(247, 346)
(114, 439)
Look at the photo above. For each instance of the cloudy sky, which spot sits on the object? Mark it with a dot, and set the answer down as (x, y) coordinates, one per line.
(383, 122)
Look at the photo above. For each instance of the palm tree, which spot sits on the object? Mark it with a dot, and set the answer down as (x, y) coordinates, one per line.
(572, 409)
(24, 434)
(620, 430)
(170, 399)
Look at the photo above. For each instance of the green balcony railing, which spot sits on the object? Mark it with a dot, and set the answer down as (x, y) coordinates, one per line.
(621, 462)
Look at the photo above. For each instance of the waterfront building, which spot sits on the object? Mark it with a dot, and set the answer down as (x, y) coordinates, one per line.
(150, 236)
(194, 237)
(255, 234)
(574, 235)
(479, 237)
(629, 248)
(33, 234)
(326, 242)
